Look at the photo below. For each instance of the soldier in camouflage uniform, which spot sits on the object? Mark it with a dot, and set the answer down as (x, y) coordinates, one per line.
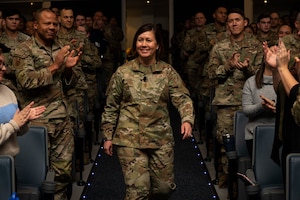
(231, 62)
(68, 35)
(78, 96)
(195, 48)
(212, 30)
(43, 72)
(264, 32)
(90, 61)
(206, 86)
(136, 118)
(11, 37)
(103, 39)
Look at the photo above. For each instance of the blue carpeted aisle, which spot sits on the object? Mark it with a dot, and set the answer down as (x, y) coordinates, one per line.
(191, 175)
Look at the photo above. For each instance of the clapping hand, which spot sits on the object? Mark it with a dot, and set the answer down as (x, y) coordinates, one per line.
(28, 113)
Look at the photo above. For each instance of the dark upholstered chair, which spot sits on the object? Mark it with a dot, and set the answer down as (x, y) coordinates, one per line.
(243, 157)
(293, 176)
(35, 181)
(7, 176)
(265, 173)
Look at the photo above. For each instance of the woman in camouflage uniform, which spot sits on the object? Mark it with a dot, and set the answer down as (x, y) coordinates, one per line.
(136, 118)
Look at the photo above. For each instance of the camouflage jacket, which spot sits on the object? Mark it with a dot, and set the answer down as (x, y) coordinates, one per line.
(231, 81)
(76, 40)
(137, 108)
(197, 46)
(292, 44)
(272, 38)
(212, 31)
(35, 82)
(12, 43)
(9, 78)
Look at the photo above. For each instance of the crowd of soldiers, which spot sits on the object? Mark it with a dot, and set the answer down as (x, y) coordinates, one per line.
(214, 59)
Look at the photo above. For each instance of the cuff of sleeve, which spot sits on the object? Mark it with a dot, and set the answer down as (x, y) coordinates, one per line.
(14, 125)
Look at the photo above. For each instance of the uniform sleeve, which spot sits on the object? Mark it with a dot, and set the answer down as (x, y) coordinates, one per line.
(27, 75)
(112, 108)
(215, 69)
(180, 97)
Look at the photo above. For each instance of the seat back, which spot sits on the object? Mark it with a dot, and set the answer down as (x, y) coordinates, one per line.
(7, 176)
(239, 123)
(267, 172)
(32, 162)
(293, 176)
(243, 159)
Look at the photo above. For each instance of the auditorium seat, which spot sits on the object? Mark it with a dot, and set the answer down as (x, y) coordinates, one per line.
(35, 180)
(265, 173)
(243, 157)
(7, 176)
(293, 176)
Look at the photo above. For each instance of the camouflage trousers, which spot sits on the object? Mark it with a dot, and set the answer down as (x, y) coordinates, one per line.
(148, 173)
(61, 148)
(225, 115)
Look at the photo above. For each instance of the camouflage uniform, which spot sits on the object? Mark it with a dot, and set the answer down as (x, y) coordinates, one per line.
(136, 118)
(108, 56)
(206, 84)
(294, 46)
(228, 92)
(9, 78)
(178, 61)
(272, 38)
(196, 46)
(90, 61)
(75, 95)
(36, 83)
(115, 37)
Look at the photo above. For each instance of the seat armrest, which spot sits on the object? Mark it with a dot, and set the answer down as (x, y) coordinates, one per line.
(252, 189)
(49, 185)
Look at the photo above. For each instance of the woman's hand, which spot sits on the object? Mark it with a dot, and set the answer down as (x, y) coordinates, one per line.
(36, 112)
(282, 56)
(186, 130)
(268, 104)
(269, 55)
(28, 113)
(22, 117)
(108, 147)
